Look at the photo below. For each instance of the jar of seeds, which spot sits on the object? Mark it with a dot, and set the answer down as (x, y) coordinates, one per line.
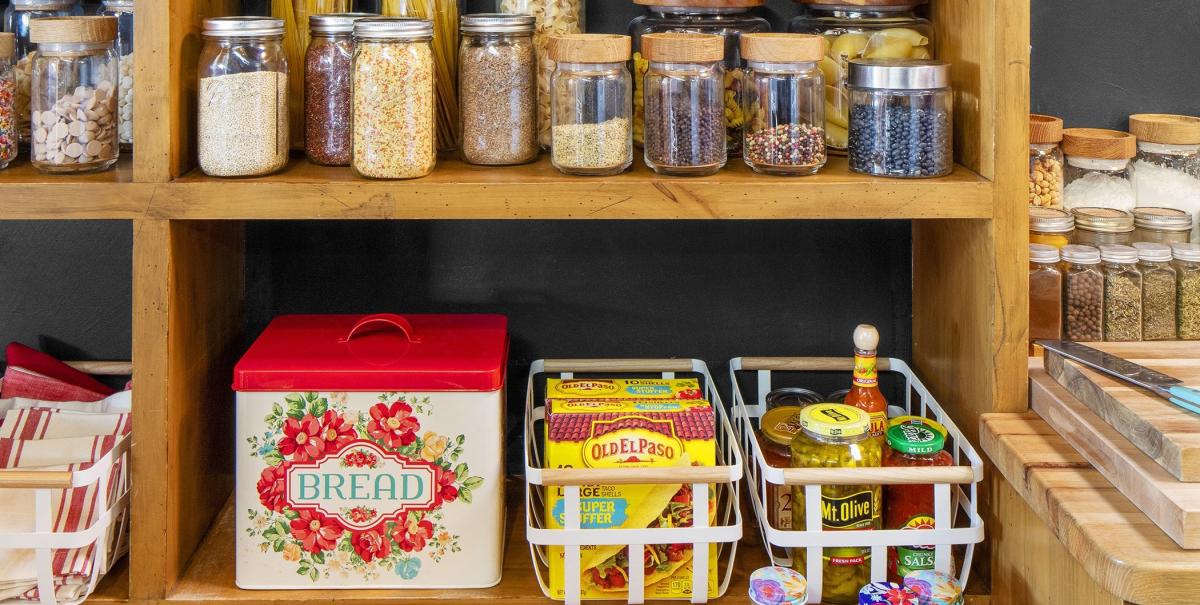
(1187, 270)
(393, 98)
(900, 118)
(591, 105)
(1102, 226)
(783, 95)
(1158, 291)
(1045, 161)
(17, 17)
(73, 94)
(1122, 293)
(1162, 225)
(123, 11)
(497, 78)
(243, 105)
(1083, 297)
(684, 103)
(8, 87)
(327, 67)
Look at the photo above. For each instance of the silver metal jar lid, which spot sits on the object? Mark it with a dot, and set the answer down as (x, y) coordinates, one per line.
(382, 28)
(25, 5)
(1149, 251)
(234, 27)
(1103, 220)
(1050, 220)
(497, 23)
(1162, 219)
(899, 74)
(336, 23)
(1041, 253)
(1116, 253)
(1080, 254)
(119, 5)
(1186, 252)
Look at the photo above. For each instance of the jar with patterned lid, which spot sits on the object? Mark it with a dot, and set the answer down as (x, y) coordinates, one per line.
(1158, 291)
(1045, 161)
(1102, 226)
(1050, 226)
(1162, 225)
(1122, 293)
(1166, 171)
(1098, 168)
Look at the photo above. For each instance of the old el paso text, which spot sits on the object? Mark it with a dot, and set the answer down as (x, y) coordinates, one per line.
(627, 446)
(360, 486)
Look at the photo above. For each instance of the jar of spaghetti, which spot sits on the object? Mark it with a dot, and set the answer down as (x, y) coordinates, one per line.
(777, 429)
(1050, 226)
(910, 507)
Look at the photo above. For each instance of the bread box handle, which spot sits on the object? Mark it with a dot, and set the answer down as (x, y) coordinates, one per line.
(387, 319)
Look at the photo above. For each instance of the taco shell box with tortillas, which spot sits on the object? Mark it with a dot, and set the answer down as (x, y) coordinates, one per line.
(627, 424)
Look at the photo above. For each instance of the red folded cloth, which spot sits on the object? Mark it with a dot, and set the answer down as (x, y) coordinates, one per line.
(36, 375)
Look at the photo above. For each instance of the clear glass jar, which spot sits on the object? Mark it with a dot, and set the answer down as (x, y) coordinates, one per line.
(860, 32)
(552, 18)
(1162, 225)
(328, 63)
(1098, 169)
(243, 102)
(1050, 226)
(123, 11)
(685, 109)
(393, 101)
(1083, 293)
(783, 97)
(17, 17)
(1045, 161)
(497, 78)
(74, 94)
(777, 427)
(702, 17)
(1122, 293)
(901, 118)
(1187, 270)
(1159, 316)
(1045, 293)
(9, 133)
(1166, 170)
(591, 104)
(1102, 226)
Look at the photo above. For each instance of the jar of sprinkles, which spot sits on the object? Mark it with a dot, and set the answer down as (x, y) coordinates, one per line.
(393, 103)
(327, 65)
(8, 89)
(591, 105)
(901, 117)
(783, 97)
(684, 103)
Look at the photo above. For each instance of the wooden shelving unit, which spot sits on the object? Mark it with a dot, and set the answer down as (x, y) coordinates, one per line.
(969, 263)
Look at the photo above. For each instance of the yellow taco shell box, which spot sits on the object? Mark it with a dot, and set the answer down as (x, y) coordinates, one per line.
(623, 388)
(642, 432)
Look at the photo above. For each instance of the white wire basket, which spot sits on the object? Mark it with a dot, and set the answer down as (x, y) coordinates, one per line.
(956, 488)
(724, 478)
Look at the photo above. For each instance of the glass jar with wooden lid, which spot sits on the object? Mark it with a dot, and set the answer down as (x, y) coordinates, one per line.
(1102, 226)
(1045, 161)
(777, 427)
(1050, 226)
(783, 97)
(685, 107)
(1166, 171)
(1098, 168)
(591, 104)
(1162, 225)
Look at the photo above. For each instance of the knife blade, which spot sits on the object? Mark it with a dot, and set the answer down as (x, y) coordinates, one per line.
(1164, 386)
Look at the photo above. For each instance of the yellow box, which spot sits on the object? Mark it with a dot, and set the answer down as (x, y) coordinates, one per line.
(623, 388)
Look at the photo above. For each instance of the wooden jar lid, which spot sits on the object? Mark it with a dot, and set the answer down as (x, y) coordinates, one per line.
(8, 45)
(782, 48)
(1045, 129)
(72, 30)
(1099, 144)
(703, 3)
(864, 2)
(1165, 129)
(589, 48)
(683, 48)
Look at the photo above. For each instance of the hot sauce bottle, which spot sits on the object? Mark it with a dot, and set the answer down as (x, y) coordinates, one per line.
(864, 393)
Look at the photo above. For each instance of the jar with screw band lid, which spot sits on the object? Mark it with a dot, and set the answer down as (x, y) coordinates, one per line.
(1098, 172)
(784, 99)
(1122, 293)
(1083, 293)
(17, 18)
(1050, 226)
(1166, 171)
(685, 109)
(1096, 226)
(1159, 316)
(328, 63)
(1045, 293)
(1045, 161)
(1187, 270)
(591, 104)
(498, 89)
(9, 133)
(1162, 225)
(901, 118)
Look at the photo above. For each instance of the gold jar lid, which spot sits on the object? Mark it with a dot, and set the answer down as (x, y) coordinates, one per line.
(782, 48)
(1165, 129)
(676, 47)
(1044, 130)
(1050, 220)
(589, 48)
(781, 424)
(1103, 220)
(1162, 219)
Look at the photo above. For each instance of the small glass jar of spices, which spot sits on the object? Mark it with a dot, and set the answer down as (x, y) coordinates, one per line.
(1122, 293)
(73, 94)
(1158, 291)
(1187, 270)
(1161, 225)
(1102, 226)
(783, 96)
(1050, 226)
(685, 108)
(8, 87)
(1045, 293)
(243, 105)
(1097, 172)
(1045, 161)
(591, 105)
(327, 68)
(1166, 171)
(123, 11)
(497, 78)
(900, 118)
(393, 106)
(17, 17)
(1083, 293)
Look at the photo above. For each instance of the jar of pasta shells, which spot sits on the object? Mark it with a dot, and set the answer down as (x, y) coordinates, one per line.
(551, 18)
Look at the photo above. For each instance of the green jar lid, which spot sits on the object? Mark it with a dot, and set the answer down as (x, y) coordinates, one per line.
(915, 439)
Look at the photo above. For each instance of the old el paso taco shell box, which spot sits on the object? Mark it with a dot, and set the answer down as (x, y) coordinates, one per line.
(625, 424)
(369, 452)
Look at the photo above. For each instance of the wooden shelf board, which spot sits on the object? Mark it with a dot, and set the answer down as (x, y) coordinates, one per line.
(114, 588)
(26, 193)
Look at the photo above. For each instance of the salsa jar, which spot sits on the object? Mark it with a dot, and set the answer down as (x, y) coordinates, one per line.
(1050, 226)
(784, 104)
(911, 507)
(777, 428)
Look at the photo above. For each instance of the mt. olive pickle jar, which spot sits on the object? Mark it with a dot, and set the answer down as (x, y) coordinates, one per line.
(901, 118)
(777, 428)
(1083, 294)
(1166, 171)
(497, 78)
(685, 108)
(1045, 161)
(1045, 293)
(1102, 226)
(1050, 226)
(1162, 225)
(327, 67)
(1122, 293)
(591, 106)
(783, 97)
(1158, 291)
(838, 436)
(1097, 172)
(1187, 268)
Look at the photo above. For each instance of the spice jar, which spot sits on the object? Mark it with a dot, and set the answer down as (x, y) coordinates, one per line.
(900, 118)
(729, 19)
(498, 89)
(1122, 293)
(784, 98)
(393, 106)
(1050, 226)
(860, 29)
(17, 17)
(1045, 293)
(1187, 269)
(1102, 226)
(685, 110)
(1162, 225)
(243, 104)
(1097, 172)
(123, 11)
(1083, 294)
(1158, 291)
(1166, 171)
(591, 107)
(73, 94)
(1045, 161)
(777, 428)
(327, 68)
(911, 507)
(8, 86)
(551, 18)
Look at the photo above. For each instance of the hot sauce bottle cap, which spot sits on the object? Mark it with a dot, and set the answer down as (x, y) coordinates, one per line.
(866, 337)
(834, 420)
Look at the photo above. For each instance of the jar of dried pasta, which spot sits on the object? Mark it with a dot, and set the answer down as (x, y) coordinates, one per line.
(1158, 291)
(551, 18)
(1122, 293)
(393, 106)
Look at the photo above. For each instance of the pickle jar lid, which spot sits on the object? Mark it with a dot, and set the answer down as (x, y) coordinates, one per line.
(1162, 219)
(781, 424)
(1041, 253)
(1081, 255)
(890, 593)
(1152, 252)
(778, 586)
(245, 27)
(834, 420)
(1186, 252)
(1050, 220)
(1117, 253)
(934, 587)
(1044, 130)
(915, 439)
(1103, 220)
(680, 47)
(335, 23)
(1165, 129)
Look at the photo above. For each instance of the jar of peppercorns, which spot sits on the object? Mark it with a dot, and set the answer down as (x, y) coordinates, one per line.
(1045, 161)
(900, 118)
(784, 96)
(684, 103)
(1083, 293)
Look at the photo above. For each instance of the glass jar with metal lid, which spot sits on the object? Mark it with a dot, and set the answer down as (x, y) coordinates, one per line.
(1158, 291)
(243, 97)
(9, 133)
(1083, 293)
(784, 100)
(1045, 293)
(860, 29)
(73, 94)
(1162, 225)
(591, 104)
(123, 11)
(792, 396)
(1166, 171)
(1102, 226)
(1187, 270)
(328, 65)
(900, 118)
(1097, 172)
(1045, 161)
(684, 96)
(777, 427)
(17, 17)
(1122, 293)
(497, 78)
(1050, 226)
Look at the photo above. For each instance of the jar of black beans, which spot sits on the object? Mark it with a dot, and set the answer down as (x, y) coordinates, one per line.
(901, 118)
(684, 103)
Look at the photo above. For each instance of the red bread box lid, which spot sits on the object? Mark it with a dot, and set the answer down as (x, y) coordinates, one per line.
(377, 352)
